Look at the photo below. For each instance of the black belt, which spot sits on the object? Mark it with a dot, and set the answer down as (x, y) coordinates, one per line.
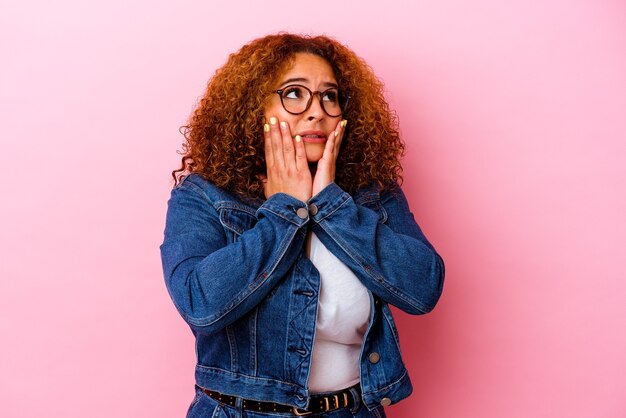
(318, 403)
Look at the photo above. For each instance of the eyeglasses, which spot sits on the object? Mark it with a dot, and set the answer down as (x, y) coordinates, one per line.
(297, 99)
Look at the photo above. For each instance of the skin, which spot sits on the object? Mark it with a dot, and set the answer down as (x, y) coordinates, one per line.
(295, 165)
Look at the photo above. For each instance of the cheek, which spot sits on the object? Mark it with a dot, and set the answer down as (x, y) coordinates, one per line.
(272, 109)
(275, 109)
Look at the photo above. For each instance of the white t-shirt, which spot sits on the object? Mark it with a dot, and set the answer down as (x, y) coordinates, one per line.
(342, 318)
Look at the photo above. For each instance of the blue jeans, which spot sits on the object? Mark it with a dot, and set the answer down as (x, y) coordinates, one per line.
(203, 406)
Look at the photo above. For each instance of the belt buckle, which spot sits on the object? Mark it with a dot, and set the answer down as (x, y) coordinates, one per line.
(335, 397)
(327, 404)
(296, 412)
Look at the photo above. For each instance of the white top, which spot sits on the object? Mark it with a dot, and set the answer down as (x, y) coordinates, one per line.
(343, 315)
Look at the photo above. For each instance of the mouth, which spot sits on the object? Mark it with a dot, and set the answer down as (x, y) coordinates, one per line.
(313, 137)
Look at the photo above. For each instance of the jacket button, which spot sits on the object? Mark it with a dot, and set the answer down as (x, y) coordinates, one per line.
(385, 401)
(312, 209)
(374, 357)
(302, 213)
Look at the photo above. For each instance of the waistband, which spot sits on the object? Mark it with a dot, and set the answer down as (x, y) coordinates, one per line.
(318, 403)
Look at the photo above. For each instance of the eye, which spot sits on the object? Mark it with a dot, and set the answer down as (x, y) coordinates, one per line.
(331, 96)
(294, 92)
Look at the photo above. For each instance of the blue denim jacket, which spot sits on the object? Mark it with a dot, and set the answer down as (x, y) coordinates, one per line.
(239, 276)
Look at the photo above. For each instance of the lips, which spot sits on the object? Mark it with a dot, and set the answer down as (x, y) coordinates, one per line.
(313, 137)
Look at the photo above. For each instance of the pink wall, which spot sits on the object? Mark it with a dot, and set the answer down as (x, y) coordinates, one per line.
(515, 120)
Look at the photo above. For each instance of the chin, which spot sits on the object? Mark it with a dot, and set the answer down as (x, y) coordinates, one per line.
(313, 152)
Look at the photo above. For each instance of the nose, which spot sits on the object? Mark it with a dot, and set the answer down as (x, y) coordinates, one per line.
(315, 111)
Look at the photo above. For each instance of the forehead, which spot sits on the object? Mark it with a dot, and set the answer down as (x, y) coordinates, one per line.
(309, 66)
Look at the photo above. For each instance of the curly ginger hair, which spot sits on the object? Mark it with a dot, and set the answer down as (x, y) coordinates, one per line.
(224, 136)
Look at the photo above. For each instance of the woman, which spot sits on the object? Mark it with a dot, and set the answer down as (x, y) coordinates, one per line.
(287, 237)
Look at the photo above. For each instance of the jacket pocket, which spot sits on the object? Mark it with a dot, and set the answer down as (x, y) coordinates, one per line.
(236, 219)
(376, 206)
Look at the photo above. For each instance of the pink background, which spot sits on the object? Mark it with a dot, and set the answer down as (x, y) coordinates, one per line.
(514, 117)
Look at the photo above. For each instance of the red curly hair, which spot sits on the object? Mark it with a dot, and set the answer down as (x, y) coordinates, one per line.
(224, 136)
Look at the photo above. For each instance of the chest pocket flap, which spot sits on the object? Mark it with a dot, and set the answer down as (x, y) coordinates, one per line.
(235, 217)
(372, 201)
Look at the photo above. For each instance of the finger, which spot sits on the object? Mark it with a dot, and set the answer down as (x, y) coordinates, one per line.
(288, 147)
(341, 130)
(269, 157)
(277, 142)
(338, 135)
(266, 189)
(301, 161)
(327, 155)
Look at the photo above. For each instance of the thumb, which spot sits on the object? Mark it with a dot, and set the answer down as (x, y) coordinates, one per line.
(266, 187)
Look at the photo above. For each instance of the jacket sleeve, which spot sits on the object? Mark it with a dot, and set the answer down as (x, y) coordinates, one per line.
(394, 260)
(212, 282)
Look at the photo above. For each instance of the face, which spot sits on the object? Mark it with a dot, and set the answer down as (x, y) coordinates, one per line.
(314, 125)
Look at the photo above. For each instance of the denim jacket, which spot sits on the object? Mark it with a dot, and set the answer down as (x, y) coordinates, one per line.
(239, 276)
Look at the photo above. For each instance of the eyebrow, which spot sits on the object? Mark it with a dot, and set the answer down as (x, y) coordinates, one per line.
(305, 80)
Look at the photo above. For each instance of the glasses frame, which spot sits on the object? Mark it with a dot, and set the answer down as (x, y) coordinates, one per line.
(319, 95)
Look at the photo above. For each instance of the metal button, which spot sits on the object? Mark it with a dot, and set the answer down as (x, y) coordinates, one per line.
(385, 401)
(374, 357)
(312, 209)
(302, 213)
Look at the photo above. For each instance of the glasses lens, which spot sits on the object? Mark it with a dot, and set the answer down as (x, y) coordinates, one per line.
(330, 102)
(295, 99)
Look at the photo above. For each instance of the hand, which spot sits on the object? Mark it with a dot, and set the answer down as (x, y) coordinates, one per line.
(325, 173)
(287, 168)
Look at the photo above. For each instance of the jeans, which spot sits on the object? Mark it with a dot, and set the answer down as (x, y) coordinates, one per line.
(203, 406)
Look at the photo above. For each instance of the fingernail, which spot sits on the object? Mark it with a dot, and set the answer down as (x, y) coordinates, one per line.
(283, 125)
(336, 133)
(273, 120)
(266, 127)
(298, 139)
(344, 123)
